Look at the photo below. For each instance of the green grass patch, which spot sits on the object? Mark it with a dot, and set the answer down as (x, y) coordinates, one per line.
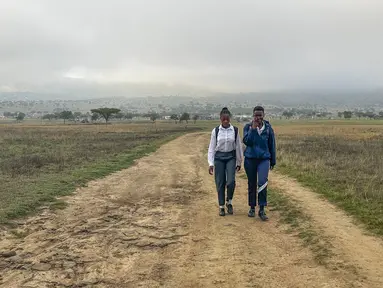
(347, 170)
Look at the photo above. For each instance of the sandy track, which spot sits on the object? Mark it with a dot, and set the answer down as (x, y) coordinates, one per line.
(157, 225)
(350, 243)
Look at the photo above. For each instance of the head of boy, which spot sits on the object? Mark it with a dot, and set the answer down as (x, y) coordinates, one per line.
(258, 114)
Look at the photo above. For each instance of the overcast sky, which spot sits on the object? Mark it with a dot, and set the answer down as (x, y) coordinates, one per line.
(222, 45)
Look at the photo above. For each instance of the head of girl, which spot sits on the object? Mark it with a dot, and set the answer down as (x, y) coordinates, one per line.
(225, 117)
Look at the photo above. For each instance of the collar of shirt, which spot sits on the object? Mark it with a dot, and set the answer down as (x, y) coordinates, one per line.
(223, 128)
(260, 130)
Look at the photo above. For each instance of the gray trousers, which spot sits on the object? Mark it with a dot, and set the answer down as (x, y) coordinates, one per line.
(224, 170)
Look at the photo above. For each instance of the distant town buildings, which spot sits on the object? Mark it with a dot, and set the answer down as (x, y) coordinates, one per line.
(166, 106)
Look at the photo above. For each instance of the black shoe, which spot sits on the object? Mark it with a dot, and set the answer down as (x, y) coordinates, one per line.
(251, 212)
(229, 208)
(262, 215)
(221, 211)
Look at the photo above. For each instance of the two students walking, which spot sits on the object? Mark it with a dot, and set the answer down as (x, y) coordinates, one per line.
(225, 158)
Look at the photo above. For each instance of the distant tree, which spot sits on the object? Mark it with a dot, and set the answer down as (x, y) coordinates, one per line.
(106, 112)
(57, 115)
(66, 115)
(77, 115)
(185, 117)
(129, 116)
(95, 117)
(370, 115)
(288, 114)
(359, 114)
(49, 117)
(119, 116)
(347, 114)
(20, 116)
(9, 114)
(321, 114)
(175, 117)
(195, 118)
(340, 114)
(153, 116)
(381, 114)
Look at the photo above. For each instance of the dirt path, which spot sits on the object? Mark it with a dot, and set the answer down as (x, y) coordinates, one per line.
(157, 225)
(349, 242)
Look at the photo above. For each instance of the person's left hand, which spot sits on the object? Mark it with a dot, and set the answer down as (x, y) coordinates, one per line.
(271, 167)
(238, 168)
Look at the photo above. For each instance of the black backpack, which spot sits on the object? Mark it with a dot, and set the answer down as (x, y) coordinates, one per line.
(235, 133)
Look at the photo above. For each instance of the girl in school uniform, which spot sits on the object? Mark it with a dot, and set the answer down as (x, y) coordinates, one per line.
(225, 158)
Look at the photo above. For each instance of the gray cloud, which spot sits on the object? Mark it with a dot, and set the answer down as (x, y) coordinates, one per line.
(244, 45)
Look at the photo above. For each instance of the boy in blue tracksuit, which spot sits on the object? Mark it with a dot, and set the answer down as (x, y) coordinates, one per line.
(259, 159)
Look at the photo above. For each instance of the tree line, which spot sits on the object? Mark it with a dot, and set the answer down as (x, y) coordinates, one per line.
(105, 114)
(114, 113)
(341, 114)
(360, 114)
(19, 116)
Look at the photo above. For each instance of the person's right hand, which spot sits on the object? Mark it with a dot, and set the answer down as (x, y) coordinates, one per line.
(211, 170)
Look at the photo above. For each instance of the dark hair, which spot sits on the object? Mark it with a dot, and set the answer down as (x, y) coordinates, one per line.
(225, 111)
(258, 108)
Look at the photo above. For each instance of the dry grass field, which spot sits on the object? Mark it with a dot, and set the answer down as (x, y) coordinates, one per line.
(341, 160)
(40, 162)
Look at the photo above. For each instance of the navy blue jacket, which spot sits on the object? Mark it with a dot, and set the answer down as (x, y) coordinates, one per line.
(260, 146)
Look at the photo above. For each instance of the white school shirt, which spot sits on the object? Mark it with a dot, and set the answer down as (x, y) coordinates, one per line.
(260, 130)
(226, 139)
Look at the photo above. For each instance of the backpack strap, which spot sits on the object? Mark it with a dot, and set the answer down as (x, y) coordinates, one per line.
(216, 134)
(235, 133)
